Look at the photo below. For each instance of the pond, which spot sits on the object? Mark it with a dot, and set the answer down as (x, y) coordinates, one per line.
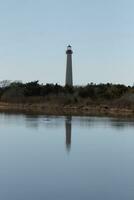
(66, 158)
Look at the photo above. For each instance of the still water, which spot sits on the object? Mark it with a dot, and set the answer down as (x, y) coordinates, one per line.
(66, 158)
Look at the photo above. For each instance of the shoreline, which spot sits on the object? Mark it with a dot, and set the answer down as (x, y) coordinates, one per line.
(74, 110)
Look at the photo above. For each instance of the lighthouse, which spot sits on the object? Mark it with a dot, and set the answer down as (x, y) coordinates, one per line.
(69, 74)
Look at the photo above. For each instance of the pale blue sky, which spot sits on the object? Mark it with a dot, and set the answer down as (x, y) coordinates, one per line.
(34, 35)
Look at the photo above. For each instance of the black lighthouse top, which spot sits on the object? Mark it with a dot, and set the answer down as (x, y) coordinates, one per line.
(69, 50)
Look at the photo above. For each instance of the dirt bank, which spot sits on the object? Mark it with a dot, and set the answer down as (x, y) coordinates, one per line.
(56, 109)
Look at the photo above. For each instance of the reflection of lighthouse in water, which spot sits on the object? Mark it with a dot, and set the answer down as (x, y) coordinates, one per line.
(68, 125)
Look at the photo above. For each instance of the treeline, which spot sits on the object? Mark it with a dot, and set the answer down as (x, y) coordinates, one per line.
(20, 92)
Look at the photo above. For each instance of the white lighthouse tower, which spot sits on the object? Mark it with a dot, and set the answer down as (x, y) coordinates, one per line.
(69, 74)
